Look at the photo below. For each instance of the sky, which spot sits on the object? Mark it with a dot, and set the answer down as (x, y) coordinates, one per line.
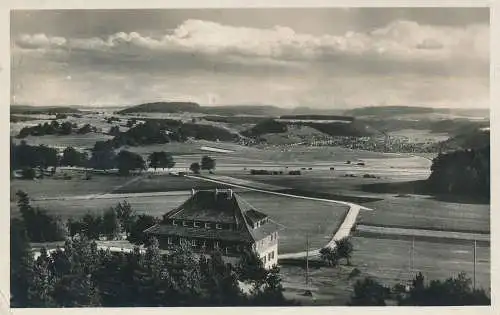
(320, 58)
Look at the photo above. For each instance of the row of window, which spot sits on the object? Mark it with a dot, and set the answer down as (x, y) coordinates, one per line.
(204, 244)
(268, 257)
(196, 224)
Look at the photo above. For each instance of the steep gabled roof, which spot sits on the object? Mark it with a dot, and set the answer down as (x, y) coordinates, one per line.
(220, 206)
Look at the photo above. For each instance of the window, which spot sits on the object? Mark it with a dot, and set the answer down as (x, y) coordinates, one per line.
(184, 223)
(196, 224)
(207, 225)
(264, 259)
(174, 223)
(269, 256)
(169, 241)
(193, 242)
(216, 245)
(218, 226)
(238, 248)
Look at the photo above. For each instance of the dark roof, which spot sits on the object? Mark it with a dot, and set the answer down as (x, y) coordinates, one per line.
(205, 205)
(183, 231)
(220, 206)
(254, 215)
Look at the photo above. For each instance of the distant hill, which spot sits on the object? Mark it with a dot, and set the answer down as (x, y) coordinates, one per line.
(49, 110)
(417, 112)
(163, 107)
(388, 110)
(350, 128)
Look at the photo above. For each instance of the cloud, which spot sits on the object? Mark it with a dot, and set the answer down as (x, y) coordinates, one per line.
(401, 63)
(403, 42)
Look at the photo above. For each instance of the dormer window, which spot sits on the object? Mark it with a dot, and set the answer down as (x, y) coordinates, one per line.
(196, 224)
(207, 225)
(174, 223)
(184, 223)
(218, 226)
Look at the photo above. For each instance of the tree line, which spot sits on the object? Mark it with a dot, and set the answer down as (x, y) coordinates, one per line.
(160, 131)
(112, 224)
(462, 172)
(27, 157)
(453, 291)
(79, 274)
(55, 128)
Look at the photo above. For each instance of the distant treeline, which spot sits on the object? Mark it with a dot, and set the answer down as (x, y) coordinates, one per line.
(36, 110)
(55, 128)
(351, 129)
(159, 131)
(464, 172)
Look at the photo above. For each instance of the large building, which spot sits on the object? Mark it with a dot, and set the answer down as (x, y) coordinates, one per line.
(219, 220)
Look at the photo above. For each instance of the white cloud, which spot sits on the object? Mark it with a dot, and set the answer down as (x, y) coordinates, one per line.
(401, 63)
(401, 40)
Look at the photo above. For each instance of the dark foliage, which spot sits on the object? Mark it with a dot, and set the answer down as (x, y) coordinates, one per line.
(195, 168)
(55, 128)
(452, 291)
(207, 163)
(161, 159)
(368, 292)
(72, 157)
(127, 161)
(40, 227)
(81, 275)
(27, 156)
(462, 172)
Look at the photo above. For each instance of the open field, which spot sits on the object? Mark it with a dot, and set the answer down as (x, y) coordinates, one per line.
(48, 187)
(85, 141)
(388, 262)
(165, 183)
(426, 212)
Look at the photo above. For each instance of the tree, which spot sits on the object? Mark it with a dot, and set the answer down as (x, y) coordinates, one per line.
(344, 249)
(21, 264)
(125, 215)
(329, 255)
(136, 230)
(161, 159)
(452, 291)
(40, 226)
(71, 157)
(103, 156)
(91, 226)
(114, 131)
(195, 168)
(66, 128)
(368, 292)
(110, 224)
(127, 161)
(207, 163)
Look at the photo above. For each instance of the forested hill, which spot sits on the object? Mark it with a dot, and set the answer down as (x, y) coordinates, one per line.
(163, 107)
(476, 139)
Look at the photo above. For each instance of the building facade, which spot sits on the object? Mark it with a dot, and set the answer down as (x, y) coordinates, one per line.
(219, 220)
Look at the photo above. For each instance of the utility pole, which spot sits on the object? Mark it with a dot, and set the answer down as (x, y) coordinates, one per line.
(307, 259)
(474, 271)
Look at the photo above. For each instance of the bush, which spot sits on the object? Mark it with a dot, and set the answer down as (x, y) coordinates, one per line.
(28, 173)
